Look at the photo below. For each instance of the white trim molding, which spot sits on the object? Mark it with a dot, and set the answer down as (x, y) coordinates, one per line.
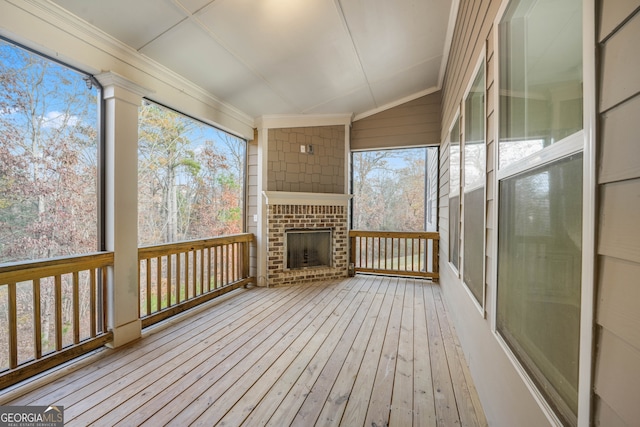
(310, 199)
(302, 120)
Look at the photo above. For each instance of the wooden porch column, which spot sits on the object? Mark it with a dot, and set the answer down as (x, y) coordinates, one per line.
(122, 99)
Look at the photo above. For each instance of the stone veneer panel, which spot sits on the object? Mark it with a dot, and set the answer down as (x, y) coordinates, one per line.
(284, 217)
(320, 172)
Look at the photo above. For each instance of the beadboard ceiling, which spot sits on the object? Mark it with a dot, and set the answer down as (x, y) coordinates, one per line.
(288, 56)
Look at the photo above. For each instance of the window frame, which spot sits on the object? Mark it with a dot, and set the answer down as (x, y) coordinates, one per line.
(455, 122)
(243, 214)
(582, 141)
(480, 64)
(101, 149)
(426, 148)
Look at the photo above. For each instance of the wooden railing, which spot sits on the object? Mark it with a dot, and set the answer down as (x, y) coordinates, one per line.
(395, 253)
(50, 312)
(177, 276)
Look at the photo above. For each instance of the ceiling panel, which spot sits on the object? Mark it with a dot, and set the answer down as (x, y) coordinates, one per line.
(406, 82)
(393, 35)
(358, 100)
(190, 51)
(193, 5)
(286, 56)
(133, 22)
(301, 48)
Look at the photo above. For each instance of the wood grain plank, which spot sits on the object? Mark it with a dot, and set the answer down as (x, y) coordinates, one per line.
(312, 354)
(282, 374)
(132, 389)
(154, 346)
(286, 396)
(201, 359)
(218, 382)
(358, 404)
(337, 351)
(444, 397)
(328, 410)
(402, 397)
(379, 408)
(424, 411)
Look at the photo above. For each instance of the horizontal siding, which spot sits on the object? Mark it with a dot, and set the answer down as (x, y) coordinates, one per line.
(613, 14)
(619, 214)
(606, 416)
(620, 65)
(618, 299)
(413, 123)
(252, 197)
(617, 360)
(620, 160)
(615, 383)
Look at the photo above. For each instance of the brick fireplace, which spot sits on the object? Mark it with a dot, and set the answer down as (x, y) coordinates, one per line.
(305, 211)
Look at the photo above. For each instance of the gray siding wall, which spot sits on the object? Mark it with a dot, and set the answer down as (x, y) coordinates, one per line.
(413, 123)
(505, 397)
(617, 362)
(252, 198)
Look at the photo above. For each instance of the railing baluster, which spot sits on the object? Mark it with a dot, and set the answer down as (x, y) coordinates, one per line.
(76, 306)
(178, 277)
(201, 252)
(208, 258)
(103, 312)
(13, 325)
(233, 264)
(215, 267)
(413, 245)
(147, 301)
(399, 250)
(58, 305)
(37, 321)
(194, 272)
(92, 302)
(220, 262)
(158, 283)
(393, 245)
(170, 296)
(229, 263)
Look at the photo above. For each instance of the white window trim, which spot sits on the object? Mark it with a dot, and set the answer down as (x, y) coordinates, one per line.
(582, 141)
(447, 144)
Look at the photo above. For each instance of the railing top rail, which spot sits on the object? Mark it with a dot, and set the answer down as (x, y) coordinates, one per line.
(396, 234)
(188, 245)
(30, 270)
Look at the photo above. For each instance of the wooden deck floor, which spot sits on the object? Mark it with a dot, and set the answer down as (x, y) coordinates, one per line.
(365, 351)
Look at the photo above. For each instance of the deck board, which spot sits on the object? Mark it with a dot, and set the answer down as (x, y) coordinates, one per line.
(366, 350)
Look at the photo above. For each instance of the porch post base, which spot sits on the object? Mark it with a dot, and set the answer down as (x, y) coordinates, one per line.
(126, 333)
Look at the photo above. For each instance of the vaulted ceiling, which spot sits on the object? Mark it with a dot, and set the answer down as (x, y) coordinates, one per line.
(288, 56)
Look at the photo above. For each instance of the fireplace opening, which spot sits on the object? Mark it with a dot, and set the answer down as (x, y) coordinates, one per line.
(307, 248)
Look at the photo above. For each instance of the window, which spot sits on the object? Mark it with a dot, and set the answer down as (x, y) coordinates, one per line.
(540, 199)
(48, 158)
(190, 178)
(454, 194)
(474, 182)
(540, 76)
(389, 189)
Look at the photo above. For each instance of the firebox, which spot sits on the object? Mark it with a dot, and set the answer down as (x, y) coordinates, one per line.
(307, 247)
